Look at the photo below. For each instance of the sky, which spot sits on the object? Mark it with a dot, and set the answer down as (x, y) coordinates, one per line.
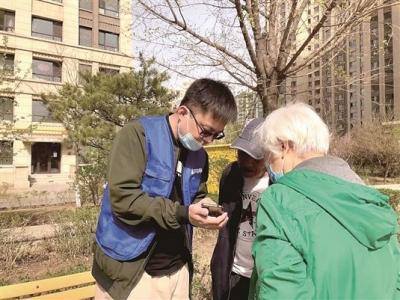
(150, 37)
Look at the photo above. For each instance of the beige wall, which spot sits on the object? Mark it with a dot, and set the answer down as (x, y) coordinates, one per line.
(70, 53)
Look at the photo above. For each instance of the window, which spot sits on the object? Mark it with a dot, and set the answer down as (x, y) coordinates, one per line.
(108, 71)
(46, 70)
(6, 152)
(6, 108)
(85, 36)
(85, 4)
(7, 63)
(7, 20)
(83, 70)
(46, 158)
(109, 7)
(40, 112)
(108, 41)
(46, 29)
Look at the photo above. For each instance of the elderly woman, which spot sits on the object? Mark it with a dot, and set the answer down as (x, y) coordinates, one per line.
(321, 233)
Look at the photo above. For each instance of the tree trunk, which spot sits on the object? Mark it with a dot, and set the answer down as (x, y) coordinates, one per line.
(268, 91)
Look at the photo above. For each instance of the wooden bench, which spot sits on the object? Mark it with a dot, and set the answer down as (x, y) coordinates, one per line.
(69, 287)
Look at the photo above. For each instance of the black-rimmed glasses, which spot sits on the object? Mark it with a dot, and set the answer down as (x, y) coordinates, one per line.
(204, 133)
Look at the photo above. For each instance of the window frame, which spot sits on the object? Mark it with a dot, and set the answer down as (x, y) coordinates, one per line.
(109, 71)
(81, 81)
(85, 8)
(3, 157)
(8, 66)
(106, 11)
(41, 76)
(105, 46)
(91, 35)
(4, 27)
(4, 116)
(41, 118)
(52, 36)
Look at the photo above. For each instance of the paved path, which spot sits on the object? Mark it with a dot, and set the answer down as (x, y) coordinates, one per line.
(30, 233)
(395, 187)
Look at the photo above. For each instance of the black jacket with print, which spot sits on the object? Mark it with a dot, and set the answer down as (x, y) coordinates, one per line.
(230, 197)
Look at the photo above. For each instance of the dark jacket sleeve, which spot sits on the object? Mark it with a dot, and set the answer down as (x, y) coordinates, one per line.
(230, 187)
(126, 168)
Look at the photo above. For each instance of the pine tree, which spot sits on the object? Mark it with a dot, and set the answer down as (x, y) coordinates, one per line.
(93, 112)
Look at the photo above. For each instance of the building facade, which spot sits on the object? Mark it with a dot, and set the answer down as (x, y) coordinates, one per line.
(47, 43)
(360, 80)
(249, 107)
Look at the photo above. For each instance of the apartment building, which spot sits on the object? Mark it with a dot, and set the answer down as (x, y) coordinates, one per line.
(47, 43)
(360, 80)
(249, 107)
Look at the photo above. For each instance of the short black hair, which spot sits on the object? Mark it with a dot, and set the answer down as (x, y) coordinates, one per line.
(211, 96)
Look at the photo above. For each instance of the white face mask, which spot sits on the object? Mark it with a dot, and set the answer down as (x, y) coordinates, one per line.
(188, 141)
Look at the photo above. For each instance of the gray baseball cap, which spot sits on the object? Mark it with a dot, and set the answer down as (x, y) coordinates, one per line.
(247, 141)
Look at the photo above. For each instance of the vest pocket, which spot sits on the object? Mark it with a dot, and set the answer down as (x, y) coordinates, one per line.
(157, 173)
(155, 182)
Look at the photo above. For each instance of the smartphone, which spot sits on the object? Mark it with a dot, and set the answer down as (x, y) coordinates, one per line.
(214, 210)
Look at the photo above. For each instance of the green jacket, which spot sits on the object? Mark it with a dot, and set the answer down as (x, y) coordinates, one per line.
(132, 206)
(320, 237)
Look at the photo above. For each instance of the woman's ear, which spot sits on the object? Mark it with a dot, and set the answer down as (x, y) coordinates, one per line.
(287, 146)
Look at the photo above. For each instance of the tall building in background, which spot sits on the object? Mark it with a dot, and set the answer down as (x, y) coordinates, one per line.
(249, 107)
(47, 43)
(360, 79)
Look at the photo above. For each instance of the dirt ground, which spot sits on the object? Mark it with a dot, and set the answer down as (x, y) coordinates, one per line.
(21, 262)
(37, 260)
(203, 247)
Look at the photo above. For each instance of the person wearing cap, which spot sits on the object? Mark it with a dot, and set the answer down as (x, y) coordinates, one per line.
(241, 185)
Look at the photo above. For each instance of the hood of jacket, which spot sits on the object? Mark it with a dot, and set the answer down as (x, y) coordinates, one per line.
(363, 211)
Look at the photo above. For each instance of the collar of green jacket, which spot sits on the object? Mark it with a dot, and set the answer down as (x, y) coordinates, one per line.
(363, 211)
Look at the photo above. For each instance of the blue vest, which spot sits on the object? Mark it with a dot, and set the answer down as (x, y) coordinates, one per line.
(125, 242)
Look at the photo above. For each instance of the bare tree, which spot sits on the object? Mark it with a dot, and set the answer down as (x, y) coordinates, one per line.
(9, 83)
(257, 43)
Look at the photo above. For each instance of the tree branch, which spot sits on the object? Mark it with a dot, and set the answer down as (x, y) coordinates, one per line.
(199, 37)
(245, 34)
(310, 36)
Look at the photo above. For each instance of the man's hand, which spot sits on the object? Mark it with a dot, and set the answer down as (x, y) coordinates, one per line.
(198, 216)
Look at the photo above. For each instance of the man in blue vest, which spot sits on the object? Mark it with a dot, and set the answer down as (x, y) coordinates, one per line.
(156, 184)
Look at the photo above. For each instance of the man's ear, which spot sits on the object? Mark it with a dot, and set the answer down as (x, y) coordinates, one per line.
(182, 110)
